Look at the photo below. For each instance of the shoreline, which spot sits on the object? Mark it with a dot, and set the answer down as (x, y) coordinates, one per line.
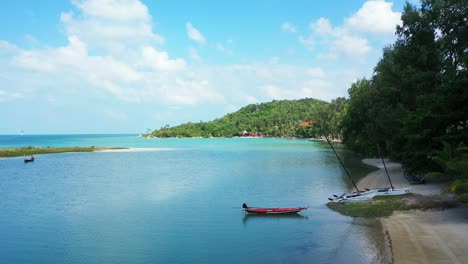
(432, 236)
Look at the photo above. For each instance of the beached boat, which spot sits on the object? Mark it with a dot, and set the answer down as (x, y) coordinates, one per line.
(283, 210)
(391, 191)
(353, 196)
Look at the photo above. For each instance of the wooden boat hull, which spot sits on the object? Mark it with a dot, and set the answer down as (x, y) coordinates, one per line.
(291, 210)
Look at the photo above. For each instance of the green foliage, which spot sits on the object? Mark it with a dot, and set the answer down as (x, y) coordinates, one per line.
(463, 198)
(357, 122)
(459, 186)
(17, 152)
(276, 119)
(380, 207)
(416, 102)
(452, 161)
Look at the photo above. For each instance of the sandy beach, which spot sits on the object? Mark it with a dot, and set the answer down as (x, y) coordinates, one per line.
(435, 236)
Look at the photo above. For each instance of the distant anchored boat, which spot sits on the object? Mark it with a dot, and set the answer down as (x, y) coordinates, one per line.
(284, 210)
(31, 159)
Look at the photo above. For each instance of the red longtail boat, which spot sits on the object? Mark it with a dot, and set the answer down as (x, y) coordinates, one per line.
(284, 210)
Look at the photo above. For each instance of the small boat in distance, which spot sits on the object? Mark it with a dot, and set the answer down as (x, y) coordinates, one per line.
(26, 160)
(284, 210)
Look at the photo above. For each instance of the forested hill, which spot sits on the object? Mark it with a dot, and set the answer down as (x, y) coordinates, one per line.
(276, 118)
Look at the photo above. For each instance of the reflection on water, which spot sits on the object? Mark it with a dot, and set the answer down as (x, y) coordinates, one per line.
(371, 248)
(273, 217)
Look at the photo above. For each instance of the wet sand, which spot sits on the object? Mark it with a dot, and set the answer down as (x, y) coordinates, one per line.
(435, 236)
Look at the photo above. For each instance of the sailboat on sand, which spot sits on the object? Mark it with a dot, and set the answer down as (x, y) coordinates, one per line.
(365, 196)
(389, 190)
(358, 195)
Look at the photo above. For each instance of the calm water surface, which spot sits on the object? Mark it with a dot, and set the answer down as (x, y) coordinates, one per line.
(178, 205)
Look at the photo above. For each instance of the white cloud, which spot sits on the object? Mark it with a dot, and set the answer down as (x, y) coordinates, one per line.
(137, 70)
(375, 16)
(117, 10)
(350, 39)
(274, 92)
(338, 40)
(307, 41)
(111, 26)
(7, 48)
(286, 26)
(315, 72)
(159, 60)
(351, 45)
(194, 34)
(322, 26)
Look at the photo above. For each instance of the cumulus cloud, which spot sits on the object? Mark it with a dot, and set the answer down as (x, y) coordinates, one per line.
(375, 16)
(121, 56)
(194, 34)
(338, 40)
(322, 26)
(116, 10)
(352, 37)
(111, 25)
(159, 60)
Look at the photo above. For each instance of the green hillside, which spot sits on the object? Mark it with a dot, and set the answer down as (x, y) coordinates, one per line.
(276, 119)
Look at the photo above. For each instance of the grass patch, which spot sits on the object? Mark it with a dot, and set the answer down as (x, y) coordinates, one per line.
(383, 206)
(17, 152)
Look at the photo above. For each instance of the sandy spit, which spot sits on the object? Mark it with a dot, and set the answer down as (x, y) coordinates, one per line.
(435, 236)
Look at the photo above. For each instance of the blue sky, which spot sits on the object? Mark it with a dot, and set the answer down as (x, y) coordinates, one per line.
(123, 66)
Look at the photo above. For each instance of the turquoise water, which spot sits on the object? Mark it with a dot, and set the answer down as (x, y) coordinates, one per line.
(178, 203)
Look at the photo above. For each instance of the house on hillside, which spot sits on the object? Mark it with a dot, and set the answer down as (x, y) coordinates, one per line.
(307, 123)
(251, 134)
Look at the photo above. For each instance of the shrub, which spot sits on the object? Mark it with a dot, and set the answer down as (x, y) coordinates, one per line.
(463, 198)
(459, 187)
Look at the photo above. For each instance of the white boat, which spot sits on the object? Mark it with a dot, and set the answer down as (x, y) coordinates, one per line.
(391, 191)
(353, 196)
(368, 195)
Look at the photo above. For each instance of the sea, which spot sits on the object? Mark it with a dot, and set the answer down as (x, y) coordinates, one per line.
(178, 200)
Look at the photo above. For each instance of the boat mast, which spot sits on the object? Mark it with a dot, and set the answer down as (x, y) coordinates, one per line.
(347, 173)
(386, 171)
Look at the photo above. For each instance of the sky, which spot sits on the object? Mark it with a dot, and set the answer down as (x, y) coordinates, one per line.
(126, 66)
